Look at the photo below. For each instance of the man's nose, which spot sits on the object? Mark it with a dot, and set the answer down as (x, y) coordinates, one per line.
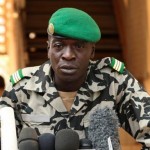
(68, 53)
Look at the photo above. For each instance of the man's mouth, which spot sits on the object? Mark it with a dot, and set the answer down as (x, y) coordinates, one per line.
(68, 69)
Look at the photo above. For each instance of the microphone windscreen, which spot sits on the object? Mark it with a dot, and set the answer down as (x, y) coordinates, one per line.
(28, 139)
(47, 141)
(103, 130)
(66, 139)
(85, 144)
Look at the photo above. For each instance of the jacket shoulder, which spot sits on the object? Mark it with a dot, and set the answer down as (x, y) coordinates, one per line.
(112, 63)
(117, 65)
(22, 73)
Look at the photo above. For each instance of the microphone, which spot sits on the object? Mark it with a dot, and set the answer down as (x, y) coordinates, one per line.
(8, 129)
(28, 139)
(85, 144)
(47, 141)
(0, 139)
(66, 139)
(103, 130)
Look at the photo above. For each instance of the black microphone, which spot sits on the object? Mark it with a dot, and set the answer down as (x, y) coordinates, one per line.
(28, 139)
(85, 144)
(66, 139)
(103, 130)
(47, 141)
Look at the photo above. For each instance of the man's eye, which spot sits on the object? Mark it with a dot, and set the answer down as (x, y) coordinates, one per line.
(80, 45)
(58, 45)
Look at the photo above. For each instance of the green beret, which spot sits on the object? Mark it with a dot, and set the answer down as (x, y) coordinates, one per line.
(74, 23)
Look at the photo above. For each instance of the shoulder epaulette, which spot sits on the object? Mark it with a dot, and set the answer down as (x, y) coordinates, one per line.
(117, 65)
(22, 73)
(17, 76)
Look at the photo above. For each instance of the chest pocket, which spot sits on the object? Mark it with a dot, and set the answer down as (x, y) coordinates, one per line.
(41, 122)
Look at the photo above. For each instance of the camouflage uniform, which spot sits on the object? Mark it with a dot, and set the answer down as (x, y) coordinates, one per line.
(38, 101)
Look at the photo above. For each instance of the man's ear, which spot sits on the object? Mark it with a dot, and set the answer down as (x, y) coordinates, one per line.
(48, 49)
(48, 45)
(48, 42)
(93, 51)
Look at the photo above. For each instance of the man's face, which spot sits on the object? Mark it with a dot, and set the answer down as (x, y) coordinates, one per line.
(69, 58)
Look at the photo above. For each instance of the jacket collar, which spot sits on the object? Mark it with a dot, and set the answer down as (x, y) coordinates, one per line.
(41, 80)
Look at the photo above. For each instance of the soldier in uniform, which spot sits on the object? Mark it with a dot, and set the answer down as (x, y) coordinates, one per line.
(62, 92)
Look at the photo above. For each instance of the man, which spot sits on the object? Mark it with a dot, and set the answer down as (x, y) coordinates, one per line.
(62, 92)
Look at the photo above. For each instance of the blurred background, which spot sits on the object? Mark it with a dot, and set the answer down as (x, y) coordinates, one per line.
(125, 27)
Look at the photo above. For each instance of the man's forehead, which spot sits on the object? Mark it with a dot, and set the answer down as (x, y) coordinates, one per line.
(62, 38)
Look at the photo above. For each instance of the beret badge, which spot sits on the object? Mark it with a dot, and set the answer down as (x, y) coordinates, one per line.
(51, 28)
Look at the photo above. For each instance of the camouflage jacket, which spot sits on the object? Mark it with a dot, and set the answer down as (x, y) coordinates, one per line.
(36, 98)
